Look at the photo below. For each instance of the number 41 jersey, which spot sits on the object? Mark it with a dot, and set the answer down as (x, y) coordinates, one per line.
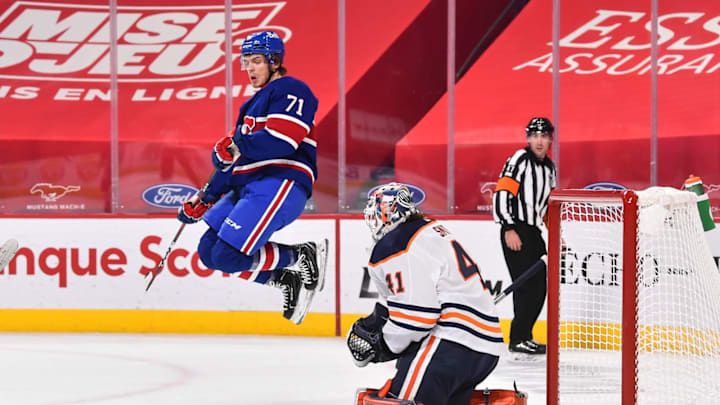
(432, 286)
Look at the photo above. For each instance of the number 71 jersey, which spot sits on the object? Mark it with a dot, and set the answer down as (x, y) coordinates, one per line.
(275, 134)
(432, 286)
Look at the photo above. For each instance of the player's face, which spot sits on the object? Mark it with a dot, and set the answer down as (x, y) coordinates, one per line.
(257, 68)
(540, 144)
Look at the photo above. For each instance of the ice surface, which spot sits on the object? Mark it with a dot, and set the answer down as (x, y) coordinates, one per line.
(138, 369)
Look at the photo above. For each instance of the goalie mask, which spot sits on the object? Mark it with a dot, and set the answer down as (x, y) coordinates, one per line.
(387, 207)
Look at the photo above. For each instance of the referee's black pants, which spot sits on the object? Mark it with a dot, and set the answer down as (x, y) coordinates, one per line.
(529, 298)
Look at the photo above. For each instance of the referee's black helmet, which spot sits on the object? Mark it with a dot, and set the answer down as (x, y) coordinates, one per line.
(539, 125)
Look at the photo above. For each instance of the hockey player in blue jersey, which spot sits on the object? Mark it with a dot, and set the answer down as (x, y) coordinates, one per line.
(265, 170)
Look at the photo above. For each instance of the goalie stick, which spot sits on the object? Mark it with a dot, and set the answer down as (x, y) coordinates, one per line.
(7, 251)
(540, 264)
(151, 275)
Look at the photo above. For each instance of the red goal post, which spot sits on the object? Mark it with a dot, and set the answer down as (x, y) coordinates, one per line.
(629, 202)
(630, 337)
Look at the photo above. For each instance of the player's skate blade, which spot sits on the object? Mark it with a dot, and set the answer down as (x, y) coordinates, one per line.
(307, 295)
(7, 252)
(322, 255)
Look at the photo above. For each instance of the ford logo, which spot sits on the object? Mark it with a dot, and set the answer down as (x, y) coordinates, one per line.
(605, 185)
(168, 195)
(416, 192)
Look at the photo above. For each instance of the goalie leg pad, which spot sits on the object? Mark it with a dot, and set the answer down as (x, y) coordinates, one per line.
(375, 399)
(371, 396)
(499, 397)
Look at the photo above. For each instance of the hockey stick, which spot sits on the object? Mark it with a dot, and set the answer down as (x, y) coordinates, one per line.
(150, 276)
(540, 264)
(7, 251)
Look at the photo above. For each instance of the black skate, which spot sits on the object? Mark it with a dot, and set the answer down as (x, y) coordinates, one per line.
(539, 346)
(527, 350)
(290, 283)
(527, 347)
(312, 260)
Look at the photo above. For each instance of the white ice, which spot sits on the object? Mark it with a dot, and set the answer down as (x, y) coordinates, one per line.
(137, 369)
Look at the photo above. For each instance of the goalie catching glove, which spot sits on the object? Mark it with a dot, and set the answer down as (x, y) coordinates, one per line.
(225, 153)
(365, 339)
(193, 210)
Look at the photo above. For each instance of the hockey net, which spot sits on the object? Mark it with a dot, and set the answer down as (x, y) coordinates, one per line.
(633, 300)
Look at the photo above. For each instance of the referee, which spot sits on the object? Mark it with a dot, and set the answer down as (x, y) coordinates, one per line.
(520, 203)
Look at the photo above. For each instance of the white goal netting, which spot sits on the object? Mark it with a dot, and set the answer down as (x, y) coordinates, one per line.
(677, 360)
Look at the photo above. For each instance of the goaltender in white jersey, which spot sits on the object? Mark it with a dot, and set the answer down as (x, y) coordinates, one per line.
(435, 316)
(432, 286)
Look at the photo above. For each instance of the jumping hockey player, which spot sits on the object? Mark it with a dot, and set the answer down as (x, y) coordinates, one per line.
(436, 318)
(265, 172)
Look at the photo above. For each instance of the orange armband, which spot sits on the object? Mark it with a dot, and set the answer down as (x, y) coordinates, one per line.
(508, 184)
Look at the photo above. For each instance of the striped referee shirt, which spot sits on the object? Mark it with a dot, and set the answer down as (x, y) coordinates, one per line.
(523, 189)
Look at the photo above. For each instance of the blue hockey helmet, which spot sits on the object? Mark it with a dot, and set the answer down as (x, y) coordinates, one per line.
(266, 43)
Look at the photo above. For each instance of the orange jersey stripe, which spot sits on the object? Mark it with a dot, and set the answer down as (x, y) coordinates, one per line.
(418, 366)
(470, 320)
(428, 321)
(508, 184)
